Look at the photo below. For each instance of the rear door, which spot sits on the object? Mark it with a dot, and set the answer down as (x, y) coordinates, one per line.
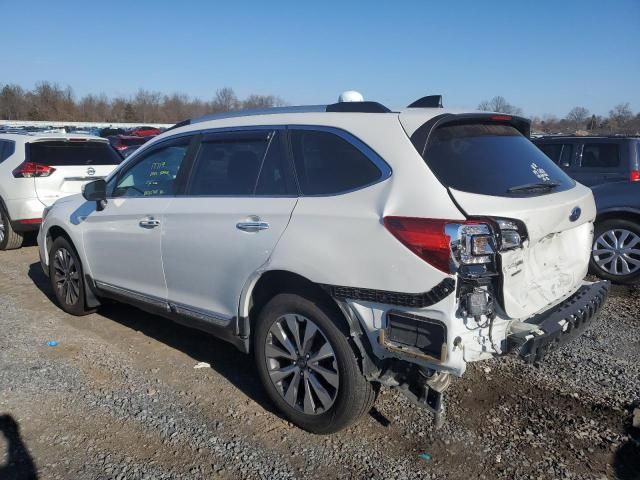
(491, 169)
(74, 162)
(237, 205)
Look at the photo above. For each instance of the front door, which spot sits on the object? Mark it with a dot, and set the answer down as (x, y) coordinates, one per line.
(123, 241)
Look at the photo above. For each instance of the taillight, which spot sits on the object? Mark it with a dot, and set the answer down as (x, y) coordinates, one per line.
(426, 237)
(450, 244)
(634, 176)
(30, 169)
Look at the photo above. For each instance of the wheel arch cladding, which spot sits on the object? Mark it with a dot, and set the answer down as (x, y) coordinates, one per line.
(274, 282)
(629, 215)
(53, 234)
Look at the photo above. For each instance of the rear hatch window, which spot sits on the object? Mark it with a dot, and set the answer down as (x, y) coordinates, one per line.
(492, 159)
(72, 153)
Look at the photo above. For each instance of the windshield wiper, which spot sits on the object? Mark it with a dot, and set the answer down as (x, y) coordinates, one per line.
(532, 187)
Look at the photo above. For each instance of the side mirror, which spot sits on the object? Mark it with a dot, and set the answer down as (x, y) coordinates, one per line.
(96, 191)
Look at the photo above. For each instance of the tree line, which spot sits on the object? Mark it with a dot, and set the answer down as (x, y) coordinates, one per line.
(49, 101)
(580, 120)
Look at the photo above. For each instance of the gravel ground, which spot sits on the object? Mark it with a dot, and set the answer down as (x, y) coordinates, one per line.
(118, 398)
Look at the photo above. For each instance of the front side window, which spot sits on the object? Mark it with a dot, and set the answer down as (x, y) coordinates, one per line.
(328, 164)
(600, 155)
(155, 175)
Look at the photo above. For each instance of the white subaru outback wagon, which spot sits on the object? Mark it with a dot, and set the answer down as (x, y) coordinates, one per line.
(346, 246)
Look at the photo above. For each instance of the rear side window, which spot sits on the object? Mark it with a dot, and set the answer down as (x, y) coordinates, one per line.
(600, 155)
(7, 148)
(328, 164)
(73, 153)
(490, 159)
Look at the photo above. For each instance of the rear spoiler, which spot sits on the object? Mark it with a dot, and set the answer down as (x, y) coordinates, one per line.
(420, 137)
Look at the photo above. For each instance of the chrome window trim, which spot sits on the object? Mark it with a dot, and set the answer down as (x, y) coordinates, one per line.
(385, 169)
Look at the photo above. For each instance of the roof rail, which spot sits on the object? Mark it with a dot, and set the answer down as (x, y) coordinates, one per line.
(430, 101)
(363, 107)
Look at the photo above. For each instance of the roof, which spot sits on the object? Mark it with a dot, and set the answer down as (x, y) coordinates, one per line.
(29, 137)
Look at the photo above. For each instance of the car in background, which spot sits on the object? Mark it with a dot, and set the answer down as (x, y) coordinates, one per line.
(611, 167)
(38, 169)
(126, 152)
(110, 131)
(616, 244)
(122, 142)
(144, 131)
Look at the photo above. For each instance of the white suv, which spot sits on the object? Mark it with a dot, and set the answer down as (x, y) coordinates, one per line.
(37, 169)
(345, 246)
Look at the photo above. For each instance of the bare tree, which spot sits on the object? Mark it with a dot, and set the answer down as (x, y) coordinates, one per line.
(620, 116)
(261, 101)
(499, 104)
(225, 100)
(578, 116)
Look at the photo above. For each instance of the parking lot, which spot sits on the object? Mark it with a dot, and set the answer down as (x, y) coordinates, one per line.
(119, 397)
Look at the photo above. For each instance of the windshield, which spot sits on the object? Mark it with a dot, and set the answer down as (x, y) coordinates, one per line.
(64, 153)
(493, 160)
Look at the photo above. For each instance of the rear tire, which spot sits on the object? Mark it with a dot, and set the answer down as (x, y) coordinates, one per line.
(67, 278)
(615, 255)
(9, 238)
(321, 396)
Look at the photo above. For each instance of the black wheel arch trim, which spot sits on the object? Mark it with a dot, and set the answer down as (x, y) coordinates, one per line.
(402, 299)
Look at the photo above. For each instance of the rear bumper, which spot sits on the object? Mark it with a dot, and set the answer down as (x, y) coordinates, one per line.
(560, 324)
(25, 213)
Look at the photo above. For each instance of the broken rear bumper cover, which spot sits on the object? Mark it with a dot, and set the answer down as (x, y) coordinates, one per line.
(560, 324)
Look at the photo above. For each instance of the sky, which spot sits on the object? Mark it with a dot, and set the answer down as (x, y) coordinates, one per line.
(544, 56)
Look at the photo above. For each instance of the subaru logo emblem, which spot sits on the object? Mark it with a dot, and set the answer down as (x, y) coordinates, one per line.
(575, 214)
(91, 171)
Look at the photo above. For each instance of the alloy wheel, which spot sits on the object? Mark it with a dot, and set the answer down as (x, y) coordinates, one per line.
(617, 252)
(302, 364)
(2, 228)
(66, 276)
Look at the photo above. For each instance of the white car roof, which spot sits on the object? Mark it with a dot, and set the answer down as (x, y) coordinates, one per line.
(29, 137)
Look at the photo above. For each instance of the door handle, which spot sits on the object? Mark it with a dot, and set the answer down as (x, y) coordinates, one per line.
(149, 222)
(252, 226)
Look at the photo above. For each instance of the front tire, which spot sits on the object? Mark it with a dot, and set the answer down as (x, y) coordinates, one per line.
(615, 255)
(307, 366)
(9, 238)
(67, 278)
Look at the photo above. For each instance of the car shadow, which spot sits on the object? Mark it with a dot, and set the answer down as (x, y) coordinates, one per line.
(19, 465)
(223, 357)
(626, 460)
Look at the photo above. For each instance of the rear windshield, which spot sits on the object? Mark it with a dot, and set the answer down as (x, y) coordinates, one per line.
(64, 153)
(492, 160)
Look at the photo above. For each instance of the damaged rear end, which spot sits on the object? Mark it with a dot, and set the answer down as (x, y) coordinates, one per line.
(517, 263)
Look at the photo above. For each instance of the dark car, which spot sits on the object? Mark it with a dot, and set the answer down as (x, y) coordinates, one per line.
(127, 151)
(616, 245)
(594, 160)
(611, 167)
(121, 142)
